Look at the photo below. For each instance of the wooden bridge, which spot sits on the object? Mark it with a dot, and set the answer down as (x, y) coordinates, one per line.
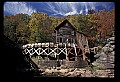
(68, 52)
(50, 48)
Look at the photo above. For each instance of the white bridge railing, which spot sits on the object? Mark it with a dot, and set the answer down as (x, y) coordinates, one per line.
(47, 48)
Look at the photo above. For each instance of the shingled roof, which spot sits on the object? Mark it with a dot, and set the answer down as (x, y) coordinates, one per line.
(73, 27)
(63, 23)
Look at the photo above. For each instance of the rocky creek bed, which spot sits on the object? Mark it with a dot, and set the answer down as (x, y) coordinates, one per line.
(77, 72)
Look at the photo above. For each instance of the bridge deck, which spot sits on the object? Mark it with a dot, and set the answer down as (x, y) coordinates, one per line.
(48, 45)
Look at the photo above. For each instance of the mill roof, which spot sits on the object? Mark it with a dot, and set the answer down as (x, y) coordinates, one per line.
(71, 26)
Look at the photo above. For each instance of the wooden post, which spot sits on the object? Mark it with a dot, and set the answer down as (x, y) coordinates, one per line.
(56, 36)
(48, 50)
(66, 52)
(75, 52)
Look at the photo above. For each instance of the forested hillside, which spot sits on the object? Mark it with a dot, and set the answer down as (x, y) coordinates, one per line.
(38, 27)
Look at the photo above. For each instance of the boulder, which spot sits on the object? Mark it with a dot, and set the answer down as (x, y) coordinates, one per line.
(48, 71)
(106, 56)
(64, 71)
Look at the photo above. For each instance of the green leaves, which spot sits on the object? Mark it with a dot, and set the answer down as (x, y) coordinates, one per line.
(23, 33)
(37, 25)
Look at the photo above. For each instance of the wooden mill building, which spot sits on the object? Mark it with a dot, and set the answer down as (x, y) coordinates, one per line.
(67, 33)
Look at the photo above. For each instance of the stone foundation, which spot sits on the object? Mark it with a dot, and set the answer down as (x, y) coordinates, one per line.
(79, 63)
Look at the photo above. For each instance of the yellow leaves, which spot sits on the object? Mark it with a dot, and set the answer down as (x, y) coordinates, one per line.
(98, 34)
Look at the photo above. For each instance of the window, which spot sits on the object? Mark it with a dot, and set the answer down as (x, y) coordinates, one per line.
(60, 40)
(60, 30)
(72, 33)
(66, 24)
(69, 40)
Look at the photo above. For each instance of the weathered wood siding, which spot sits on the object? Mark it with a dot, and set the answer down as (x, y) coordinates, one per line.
(81, 41)
(66, 34)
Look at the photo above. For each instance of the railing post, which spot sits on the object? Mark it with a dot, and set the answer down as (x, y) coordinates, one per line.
(66, 52)
(75, 52)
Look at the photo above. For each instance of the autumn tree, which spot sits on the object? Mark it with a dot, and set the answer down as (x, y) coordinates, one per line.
(9, 29)
(22, 30)
(38, 23)
(23, 33)
(93, 26)
(106, 24)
